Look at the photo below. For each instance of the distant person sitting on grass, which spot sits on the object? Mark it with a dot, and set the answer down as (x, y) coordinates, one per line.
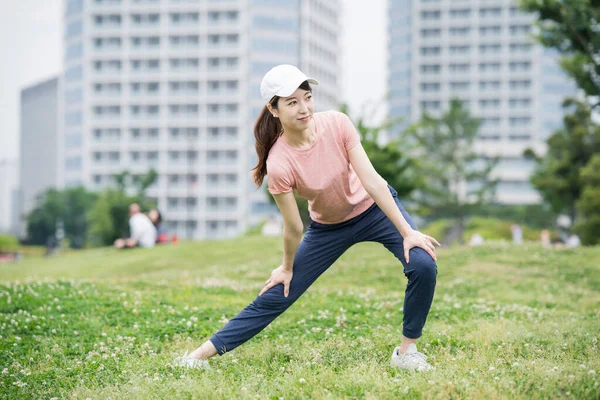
(320, 157)
(161, 232)
(142, 230)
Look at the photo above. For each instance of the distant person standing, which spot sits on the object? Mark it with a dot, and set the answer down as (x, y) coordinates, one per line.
(517, 234)
(573, 241)
(142, 230)
(545, 238)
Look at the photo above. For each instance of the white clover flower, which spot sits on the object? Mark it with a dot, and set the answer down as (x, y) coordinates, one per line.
(302, 380)
(592, 372)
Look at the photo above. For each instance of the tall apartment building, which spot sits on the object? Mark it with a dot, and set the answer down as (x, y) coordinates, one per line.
(40, 144)
(482, 52)
(174, 85)
(8, 191)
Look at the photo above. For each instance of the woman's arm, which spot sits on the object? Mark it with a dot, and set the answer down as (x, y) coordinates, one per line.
(292, 227)
(377, 188)
(292, 235)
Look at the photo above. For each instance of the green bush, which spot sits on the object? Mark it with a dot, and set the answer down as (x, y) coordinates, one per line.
(8, 243)
(487, 228)
(438, 228)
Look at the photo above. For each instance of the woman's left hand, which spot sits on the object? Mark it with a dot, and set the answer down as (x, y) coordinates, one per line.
(418, 239)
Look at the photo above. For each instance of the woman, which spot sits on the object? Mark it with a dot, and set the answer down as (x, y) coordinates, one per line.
(319, 156)
(161, 233)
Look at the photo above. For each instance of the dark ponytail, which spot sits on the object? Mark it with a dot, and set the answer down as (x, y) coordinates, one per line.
(267, 129)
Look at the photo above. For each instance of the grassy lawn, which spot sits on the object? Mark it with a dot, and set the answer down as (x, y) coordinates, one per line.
(506, 322)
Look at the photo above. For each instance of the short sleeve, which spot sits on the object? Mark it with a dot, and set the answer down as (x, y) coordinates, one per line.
(278, 180)
(349, 134)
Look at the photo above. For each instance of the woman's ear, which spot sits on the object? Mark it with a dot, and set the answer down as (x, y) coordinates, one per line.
(272, 110)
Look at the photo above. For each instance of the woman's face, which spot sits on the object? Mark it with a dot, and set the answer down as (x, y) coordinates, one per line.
(153, 215)
(296, 110)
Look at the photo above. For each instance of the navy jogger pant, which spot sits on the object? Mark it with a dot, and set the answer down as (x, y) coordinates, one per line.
(321, 246)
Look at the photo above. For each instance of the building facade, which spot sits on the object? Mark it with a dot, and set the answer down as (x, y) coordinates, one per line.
(8, 203)
(40, 145)
(174, 85)
(482, 52)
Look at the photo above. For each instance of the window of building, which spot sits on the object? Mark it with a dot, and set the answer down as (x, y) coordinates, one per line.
(490, 48)
(490, 12)
(431, 15)
(460, 13)
(431, 33)
(520, 84)
(430, 87)
(459, 50)
(74, 50)
(459, 85)
(430, 51)
(490, 30)
(74, 73)
(520, 66)
(74, 7)
(459, 31)
(430, 68)
(74, 28)
(462, 67)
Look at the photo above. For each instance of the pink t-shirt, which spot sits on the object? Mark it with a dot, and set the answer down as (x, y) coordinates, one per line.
(321, 173)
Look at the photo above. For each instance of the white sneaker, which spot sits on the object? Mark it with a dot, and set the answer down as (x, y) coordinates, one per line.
(411, 360)
(186, 361)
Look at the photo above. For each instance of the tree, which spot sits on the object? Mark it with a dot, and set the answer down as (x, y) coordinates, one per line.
(42, 219)
(558, 174)
(457, 179)
(68, 207)
(571, 27)
(77, 203)
(588, 205)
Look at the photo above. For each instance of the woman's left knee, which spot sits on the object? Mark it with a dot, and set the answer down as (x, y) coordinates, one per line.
(424, 266)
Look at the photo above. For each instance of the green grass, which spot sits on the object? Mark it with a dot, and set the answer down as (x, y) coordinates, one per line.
(506, 322)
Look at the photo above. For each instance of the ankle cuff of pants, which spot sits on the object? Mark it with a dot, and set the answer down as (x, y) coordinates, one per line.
(219, 345)
(411, 334)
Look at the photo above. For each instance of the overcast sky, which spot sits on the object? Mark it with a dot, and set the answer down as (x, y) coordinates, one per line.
(31, 49)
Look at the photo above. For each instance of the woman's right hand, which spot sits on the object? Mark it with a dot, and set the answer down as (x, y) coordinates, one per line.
(279, 275)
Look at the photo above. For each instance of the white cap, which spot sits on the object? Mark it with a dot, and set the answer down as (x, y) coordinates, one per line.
(282, 81)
